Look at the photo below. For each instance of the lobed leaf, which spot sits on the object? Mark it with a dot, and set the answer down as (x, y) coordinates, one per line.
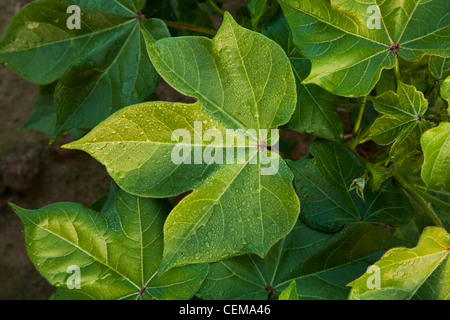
(242, 80)
(402, 120)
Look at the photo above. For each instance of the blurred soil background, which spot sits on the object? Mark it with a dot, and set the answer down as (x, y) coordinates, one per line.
(34, 174)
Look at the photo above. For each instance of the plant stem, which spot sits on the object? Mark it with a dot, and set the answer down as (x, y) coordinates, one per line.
(420, 200)
(398, 76)
(190, 27)
(358, 136)
(360, 115)
(214, 8)
(357, 140)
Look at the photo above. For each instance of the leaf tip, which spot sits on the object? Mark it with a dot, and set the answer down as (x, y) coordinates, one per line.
(19, 211)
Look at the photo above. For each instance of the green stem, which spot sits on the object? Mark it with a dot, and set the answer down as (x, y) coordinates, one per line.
(214, 8)
(190, 27)
(360, 116)
(360, 137)
(398, 76)
(420, 200)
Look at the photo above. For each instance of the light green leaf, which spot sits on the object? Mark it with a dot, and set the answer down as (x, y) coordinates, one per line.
(445, 90)
(316, 111)
(419, 273)
(290, 293)
(321, 265)
(242, 80)
(350, 42)
(118, 252)
(402, 121)
(105, 60)
(322, 182)
(436, 148)
(66, 294)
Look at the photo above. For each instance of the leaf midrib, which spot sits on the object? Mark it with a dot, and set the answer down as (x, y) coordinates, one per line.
(72, 39)
(82, 250)
(336, 27)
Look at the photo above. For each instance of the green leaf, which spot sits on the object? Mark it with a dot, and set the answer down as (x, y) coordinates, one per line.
(261, 8)
(118, 251)
(118, 75)
(445, 90)
(161, 9)
(323, 183)
(348, 51)
(39, 31)
(439, 67)
(436, 148)
(402, 121)
(378, 174)
(66, 294)
(105, 60)
(321, 265)
(256, 8)
(419, 273)
(242, 80)
(290, 293)
(316, 111)
(43, 116)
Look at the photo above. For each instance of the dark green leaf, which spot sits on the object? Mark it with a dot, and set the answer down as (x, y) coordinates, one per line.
(323, 182)
(402, 121)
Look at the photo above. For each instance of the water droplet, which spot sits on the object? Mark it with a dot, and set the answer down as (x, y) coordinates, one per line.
(101, 145)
